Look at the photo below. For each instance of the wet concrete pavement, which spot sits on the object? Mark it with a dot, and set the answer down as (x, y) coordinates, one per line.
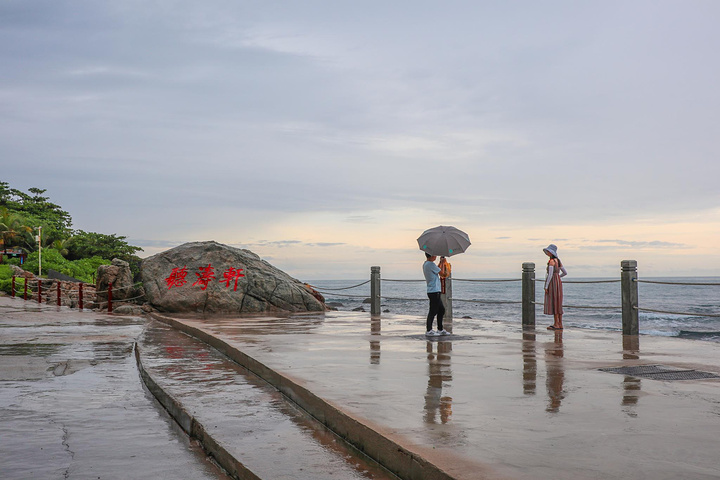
(256, 424)
(492, 401)
(72, 405)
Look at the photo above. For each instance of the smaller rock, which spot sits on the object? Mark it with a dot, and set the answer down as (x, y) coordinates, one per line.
(358, 309)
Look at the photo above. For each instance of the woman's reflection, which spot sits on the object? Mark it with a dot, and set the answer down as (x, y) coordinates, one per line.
(555, 373)
(439, 372)
(529, 363)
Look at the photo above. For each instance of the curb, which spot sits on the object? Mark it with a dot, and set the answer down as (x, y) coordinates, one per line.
(192, 427)
(397, 459)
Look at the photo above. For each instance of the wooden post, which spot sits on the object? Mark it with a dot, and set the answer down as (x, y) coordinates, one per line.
(446, 298)
(109, 297)
(80, 297)
(39, 291)
(629, 288)
(25, 294)
(58, 294)
(12, 289)
(528, 294)
(374, 290)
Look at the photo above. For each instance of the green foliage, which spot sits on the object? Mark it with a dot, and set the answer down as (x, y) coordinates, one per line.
(90, 244)
(21, 213)
(6, 281)
(83, 269)
(36, 208)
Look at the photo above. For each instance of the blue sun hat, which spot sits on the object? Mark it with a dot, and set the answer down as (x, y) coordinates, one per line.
(551, 249)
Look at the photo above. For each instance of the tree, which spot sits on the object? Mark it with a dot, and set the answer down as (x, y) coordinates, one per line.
(12, 228)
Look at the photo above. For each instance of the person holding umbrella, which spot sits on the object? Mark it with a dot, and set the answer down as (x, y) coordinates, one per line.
(443, 241)
(432, 278)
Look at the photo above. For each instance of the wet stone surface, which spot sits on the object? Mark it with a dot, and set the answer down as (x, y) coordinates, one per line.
(72, 405)
(254, 422)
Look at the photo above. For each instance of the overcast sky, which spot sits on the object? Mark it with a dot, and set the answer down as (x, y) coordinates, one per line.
(326, 136)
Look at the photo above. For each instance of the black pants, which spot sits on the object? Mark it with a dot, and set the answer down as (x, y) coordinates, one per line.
(436, 308)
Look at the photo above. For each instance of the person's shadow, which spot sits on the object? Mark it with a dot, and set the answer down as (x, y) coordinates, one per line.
(555, 373)
(439, 372)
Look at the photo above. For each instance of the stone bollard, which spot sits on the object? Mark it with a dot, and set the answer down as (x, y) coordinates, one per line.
(629, 288)
(375, 291)
(528, 294)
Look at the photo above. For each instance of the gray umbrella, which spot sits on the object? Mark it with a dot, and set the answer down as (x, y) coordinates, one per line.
(443, 241)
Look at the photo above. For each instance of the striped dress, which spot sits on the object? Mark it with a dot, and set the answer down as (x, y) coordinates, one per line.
(554, 293)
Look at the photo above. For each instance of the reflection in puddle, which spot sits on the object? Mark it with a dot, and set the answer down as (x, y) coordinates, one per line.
(375, 343)
(31, 349)
(439, 372)
(631, 385)
(555, 381)
(529, 363)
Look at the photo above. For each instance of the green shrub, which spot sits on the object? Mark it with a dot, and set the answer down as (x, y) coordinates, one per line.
(6, 281)
(84, 269)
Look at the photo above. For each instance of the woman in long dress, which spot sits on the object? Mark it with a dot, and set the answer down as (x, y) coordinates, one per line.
(553, 287)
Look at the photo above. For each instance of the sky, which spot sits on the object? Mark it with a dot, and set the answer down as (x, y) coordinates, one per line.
(325, 136)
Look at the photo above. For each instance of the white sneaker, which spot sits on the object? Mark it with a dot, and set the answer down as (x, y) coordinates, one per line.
(430, 333)
(443, 332)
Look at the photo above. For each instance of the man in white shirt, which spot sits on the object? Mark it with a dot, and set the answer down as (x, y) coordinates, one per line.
(432, 278)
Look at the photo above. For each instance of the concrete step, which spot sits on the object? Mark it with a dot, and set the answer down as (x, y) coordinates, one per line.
(250, 427)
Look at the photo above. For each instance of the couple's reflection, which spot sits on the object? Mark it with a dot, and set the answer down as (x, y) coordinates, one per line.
(375, 341)
(437, 406)
(555, 381)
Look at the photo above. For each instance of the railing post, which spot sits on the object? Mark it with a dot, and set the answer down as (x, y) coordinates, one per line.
(374, 290)
(12, 289)
(25, 293)
(446, 298)
(58, 293)
(109, 297)
(39, 291)
(80, 297)
(629, 288)
(528, 294)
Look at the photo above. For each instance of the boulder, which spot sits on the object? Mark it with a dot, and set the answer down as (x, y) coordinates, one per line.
(118, 273)
(208, 277)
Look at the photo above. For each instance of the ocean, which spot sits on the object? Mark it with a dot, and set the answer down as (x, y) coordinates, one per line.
(408, 298)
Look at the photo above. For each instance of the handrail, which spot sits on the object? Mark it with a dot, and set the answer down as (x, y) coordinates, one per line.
(582, 281)
(677, 313)
(337, 289)
(487, 281)
(678, 283)
(597, 307)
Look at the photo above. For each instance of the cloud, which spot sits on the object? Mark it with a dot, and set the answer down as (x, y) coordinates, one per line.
(653, 244)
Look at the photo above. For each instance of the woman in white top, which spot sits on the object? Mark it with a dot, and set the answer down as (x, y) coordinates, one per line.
(553, 287)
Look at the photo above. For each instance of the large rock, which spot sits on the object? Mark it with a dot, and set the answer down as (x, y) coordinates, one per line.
(118, 273)
(208, 277)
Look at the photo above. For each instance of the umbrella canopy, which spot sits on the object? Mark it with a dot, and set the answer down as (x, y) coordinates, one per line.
(443, 241)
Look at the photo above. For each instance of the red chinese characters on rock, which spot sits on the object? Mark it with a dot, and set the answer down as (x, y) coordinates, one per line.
(204, 276)
(177, 277)
(232, 274)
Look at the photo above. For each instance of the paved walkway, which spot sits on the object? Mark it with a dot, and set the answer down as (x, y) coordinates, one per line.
(497, 402)
(267, 435)
(72, 405)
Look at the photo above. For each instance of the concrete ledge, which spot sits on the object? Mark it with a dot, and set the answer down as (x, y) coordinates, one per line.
(396, 458)
(192, 427)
